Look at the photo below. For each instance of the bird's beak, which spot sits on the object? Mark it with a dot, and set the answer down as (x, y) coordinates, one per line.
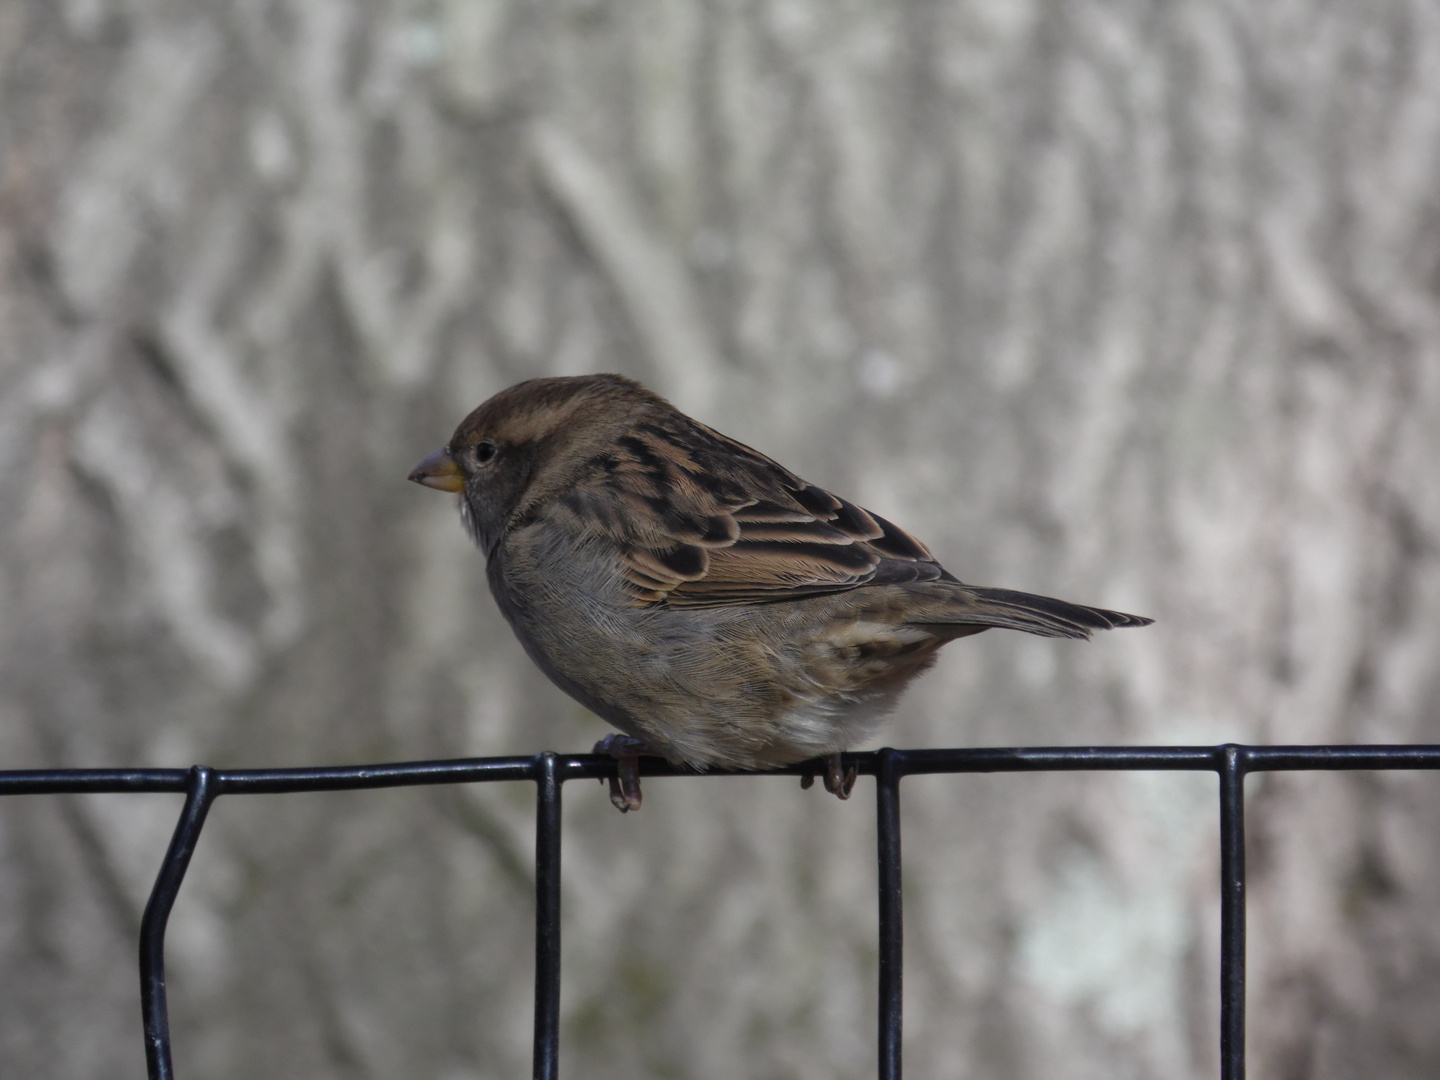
(440, 472)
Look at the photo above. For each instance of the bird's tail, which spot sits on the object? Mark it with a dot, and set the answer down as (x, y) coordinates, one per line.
(1043, 615)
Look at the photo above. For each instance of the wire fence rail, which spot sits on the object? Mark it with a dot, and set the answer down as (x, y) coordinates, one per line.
(201, 786)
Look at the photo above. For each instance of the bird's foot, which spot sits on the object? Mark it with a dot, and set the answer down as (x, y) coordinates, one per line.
(625, 784)
(839, 781)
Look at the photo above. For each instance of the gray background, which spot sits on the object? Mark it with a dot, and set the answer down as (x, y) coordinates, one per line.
(1133, 303)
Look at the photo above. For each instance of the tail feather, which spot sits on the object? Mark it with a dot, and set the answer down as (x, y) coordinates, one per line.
(1043, 615)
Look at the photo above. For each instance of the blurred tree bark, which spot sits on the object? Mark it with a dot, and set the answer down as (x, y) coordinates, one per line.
(1132, 303)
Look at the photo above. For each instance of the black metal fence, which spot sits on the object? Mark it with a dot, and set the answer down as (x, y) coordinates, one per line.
(201, 786)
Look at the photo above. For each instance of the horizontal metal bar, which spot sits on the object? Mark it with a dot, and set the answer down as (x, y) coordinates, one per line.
(1292, 758)
(74, 781)
(358, 777)
(1059, 759)
(601, 766)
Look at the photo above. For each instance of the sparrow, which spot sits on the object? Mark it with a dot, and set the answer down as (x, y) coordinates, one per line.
(701, 598)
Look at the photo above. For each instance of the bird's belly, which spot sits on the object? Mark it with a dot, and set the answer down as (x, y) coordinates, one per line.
(742, 686)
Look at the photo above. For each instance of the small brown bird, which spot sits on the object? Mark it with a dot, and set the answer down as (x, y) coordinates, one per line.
(709, 603)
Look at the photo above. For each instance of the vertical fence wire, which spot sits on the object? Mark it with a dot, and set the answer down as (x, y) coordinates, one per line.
(1232, 767)
(154, 1009)
(547, 919)
(892, 930)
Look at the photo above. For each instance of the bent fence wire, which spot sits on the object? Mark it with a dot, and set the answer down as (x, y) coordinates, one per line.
(201, 786)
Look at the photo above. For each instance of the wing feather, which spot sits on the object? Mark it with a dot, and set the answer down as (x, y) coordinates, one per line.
(703, 521)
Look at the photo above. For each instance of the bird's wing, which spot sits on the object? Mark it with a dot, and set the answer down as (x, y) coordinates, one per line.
(701, 520)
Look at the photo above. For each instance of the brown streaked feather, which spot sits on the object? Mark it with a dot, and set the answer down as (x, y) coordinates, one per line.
(704, 521)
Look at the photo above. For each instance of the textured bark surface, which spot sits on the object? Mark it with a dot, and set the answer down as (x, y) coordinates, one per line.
(1136, 304)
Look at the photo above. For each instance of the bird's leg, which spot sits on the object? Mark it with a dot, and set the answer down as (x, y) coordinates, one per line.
(625, 784)
(839, 781)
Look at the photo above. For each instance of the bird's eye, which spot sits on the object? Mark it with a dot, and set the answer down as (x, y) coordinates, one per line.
(485, 451)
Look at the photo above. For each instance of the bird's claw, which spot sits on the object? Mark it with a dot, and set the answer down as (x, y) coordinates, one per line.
(839, 781)
(625, 784)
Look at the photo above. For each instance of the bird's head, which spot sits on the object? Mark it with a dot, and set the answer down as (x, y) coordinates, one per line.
(528, 444)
